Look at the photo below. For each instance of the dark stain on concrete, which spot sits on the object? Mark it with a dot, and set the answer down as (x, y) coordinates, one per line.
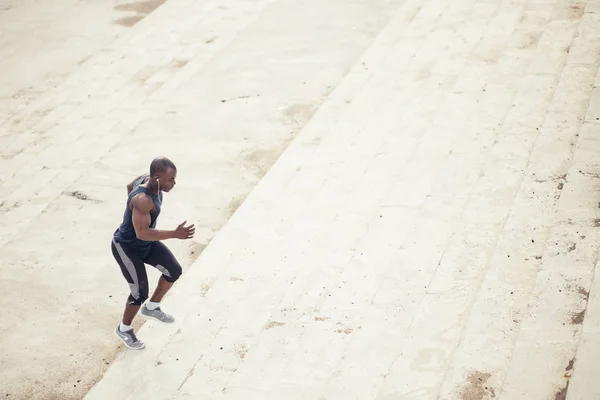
(584, 292)
(576, 11)
(562, 393)
(476, 388)
(571, 364)
(578, 317)
(141, 8)
(273, 324)
(129, 21)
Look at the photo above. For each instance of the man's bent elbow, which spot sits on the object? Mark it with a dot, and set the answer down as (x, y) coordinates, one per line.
(143, 235)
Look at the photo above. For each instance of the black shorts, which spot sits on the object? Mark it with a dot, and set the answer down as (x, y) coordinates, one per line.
(134, 270)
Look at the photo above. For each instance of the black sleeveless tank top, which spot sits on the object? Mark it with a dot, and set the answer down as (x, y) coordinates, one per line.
(125, 233)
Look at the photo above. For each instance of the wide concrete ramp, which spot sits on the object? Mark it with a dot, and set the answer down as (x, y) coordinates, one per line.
(431, 233)
(90, 93)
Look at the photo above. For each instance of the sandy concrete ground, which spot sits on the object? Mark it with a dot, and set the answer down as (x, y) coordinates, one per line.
(90, 93)
(431, 233)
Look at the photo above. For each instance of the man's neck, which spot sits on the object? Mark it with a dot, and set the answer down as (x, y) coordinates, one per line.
(152, 185)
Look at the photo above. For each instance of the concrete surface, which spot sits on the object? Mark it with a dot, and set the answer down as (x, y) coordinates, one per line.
(91, 92)
(431, 233)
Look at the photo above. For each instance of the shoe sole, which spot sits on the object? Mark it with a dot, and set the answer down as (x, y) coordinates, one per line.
(155, 319)
(127, 344)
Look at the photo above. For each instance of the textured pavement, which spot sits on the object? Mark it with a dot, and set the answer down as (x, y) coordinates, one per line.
(431, 233)
(219, 88)
(427, 228)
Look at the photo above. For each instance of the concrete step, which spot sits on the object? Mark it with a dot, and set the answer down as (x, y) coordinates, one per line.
(224, 117)
(251, 262)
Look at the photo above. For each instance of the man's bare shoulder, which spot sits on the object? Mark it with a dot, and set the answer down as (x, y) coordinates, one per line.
(142, 201)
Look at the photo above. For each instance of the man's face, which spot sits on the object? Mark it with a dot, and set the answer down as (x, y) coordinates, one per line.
(167, 179)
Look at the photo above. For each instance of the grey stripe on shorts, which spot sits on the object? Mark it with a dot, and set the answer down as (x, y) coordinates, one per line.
(135, 286)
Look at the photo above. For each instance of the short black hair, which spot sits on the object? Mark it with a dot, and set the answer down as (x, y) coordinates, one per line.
(161, 164)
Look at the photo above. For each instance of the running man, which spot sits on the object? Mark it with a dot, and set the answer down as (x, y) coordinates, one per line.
(137, 242)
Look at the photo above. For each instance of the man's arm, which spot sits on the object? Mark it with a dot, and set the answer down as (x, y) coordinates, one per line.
(130, 185)
(142, 205)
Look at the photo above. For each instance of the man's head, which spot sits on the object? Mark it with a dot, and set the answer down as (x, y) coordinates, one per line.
(163, 171)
